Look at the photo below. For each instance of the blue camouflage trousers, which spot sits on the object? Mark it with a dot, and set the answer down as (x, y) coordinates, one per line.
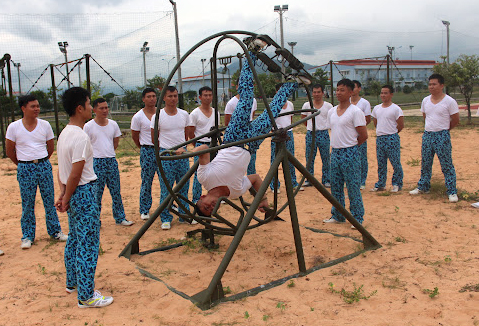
(363, 158)
(106, 170)
(240, 127)
(148, 170)
(290, 148)
(389, 147)
(322, 144)
(174, 171)
(81, 250)
(252, 164)
(439, 143)
(345, 168)
(30, 176)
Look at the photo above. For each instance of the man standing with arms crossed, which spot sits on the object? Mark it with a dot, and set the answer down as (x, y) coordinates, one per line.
(441, 114)
(348, 131)
(321, 136)
(104, 136)
(172, 127)
(365, 106)
(388, 119)
(229, 109)
(201, 120)
(77, 182)
(141, 135)
(29, 144)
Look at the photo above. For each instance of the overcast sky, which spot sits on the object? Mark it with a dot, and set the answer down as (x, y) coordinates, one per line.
(323, 30)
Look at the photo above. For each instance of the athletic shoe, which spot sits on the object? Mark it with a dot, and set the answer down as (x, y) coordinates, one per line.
(60, 236)
(300, 189)
(377, 189)
(126, 223)
(417, 191)
(166, 225)
(453, 198)
(300, 78)
(194, 222)
(1, 252)
(145, 216)
(475, 205)
(362, 187)
(395, 188)
(97, 301)
(308, 184)
(278, 191)
(174, 208)
(331, 220)
(254, 44)
(26, 244)
(70, 289)
(327, 185)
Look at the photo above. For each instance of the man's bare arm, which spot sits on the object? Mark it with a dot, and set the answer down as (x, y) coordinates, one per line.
(454, 121)
(203, 158)
(10, 149)
(227, 119)
(116, 141)
(368, 119)
(400, 122)
(362, 134)
(135, 135)
(256, 182)
(375, 121)
(50, 147)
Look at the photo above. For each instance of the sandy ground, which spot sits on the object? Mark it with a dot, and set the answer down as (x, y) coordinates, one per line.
(427, 243)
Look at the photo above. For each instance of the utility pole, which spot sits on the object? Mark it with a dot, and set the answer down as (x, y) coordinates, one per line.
(280, 9)
(144, 49)
(178, 57)
(292, 44)
(79, 73)
(203, 68)
(410, 48)
(446, 23)
(17, 65)
(63, 49)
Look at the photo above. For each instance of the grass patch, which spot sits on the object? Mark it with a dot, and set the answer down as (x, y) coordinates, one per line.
(414, 162)
(470, 288)
(352, 296)
(431, 293)
(394, 283)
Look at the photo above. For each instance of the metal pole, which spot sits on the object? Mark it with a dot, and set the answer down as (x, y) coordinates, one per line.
(332, 83)
(87, 67)
(10, 88)
(55, 104)
(388, 57)
(79, 74)
(17, 65)
(66, 65)
(178, 57)
(144, 67)
(282, 40)
(203, 68)
(446, 23)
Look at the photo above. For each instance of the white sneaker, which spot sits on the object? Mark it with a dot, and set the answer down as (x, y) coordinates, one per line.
(300, 188)
(417, 191)
(97, 301)
(308, 184)
(353, 227)
(60, 236)
(394, 189)
(26, 244)
(165, 225)
(126, 223)
(453, 198)
(362, 187)
(70, 289)
(1, 252)
(377, 189)
(145, 216)
(331, 220)
(278, 191)
(327, 185)
(475, 205)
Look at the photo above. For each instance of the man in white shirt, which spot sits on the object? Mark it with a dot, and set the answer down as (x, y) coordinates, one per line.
(441, 114)
(284, 122)
(201, 120)
(172, 127)
(348, 131)
(321, 136)
(388, 119)
(141, 135)
(229, 109)
(29, 144)
(105, 135)
(365, 106)
(225, 175)
(77, 181)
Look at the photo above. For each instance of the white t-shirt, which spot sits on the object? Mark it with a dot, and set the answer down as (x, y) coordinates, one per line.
(343, 128)
(231, 106)
(438, 116)
(171, 128)
(74, 146)
(227, 169)
(285, 121)
(101, 137)
(30, 145)
(202, 123)
(321, 119)
(141, 123)
(386, 119)
(365, 106)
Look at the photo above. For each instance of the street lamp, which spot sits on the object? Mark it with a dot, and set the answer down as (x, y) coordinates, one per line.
(168, 61)
(280, 9)
(410, 48)
(17, 65)
(63, 49)
(446, 23)
(144, 49)
(292, 44)
(203, 68)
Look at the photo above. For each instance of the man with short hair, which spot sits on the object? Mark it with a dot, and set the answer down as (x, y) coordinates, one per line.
(348, 132)
(201, 120)
(441, 114)
(172, 131)
(29, 144)
(225, 175)
(229, 109)
(365, 106)
(105, 135)
(77, 181)
(388, 119)
(141, 135)
(321, 135)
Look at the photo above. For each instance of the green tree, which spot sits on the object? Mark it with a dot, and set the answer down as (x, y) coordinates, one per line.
(44, 99)
(407, 89)
(156, 83)
(268, 81)
(321, 77)
(95, 90)
(132, 99)
(463, 74)
(373, 87)
(109, 96)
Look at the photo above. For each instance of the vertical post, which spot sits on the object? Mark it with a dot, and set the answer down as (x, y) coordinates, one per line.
(17, 65)
(178, 57)
(388, 57)
(203, 69)
(55, 104)
(10, 88)
(79, 73)
(2, 132)
(332, 82)
(87, 67)
(66, 67)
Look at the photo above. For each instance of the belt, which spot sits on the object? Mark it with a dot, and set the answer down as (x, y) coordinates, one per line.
(148, 146)
(35, 161)
(245, 147)
(203, 142)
